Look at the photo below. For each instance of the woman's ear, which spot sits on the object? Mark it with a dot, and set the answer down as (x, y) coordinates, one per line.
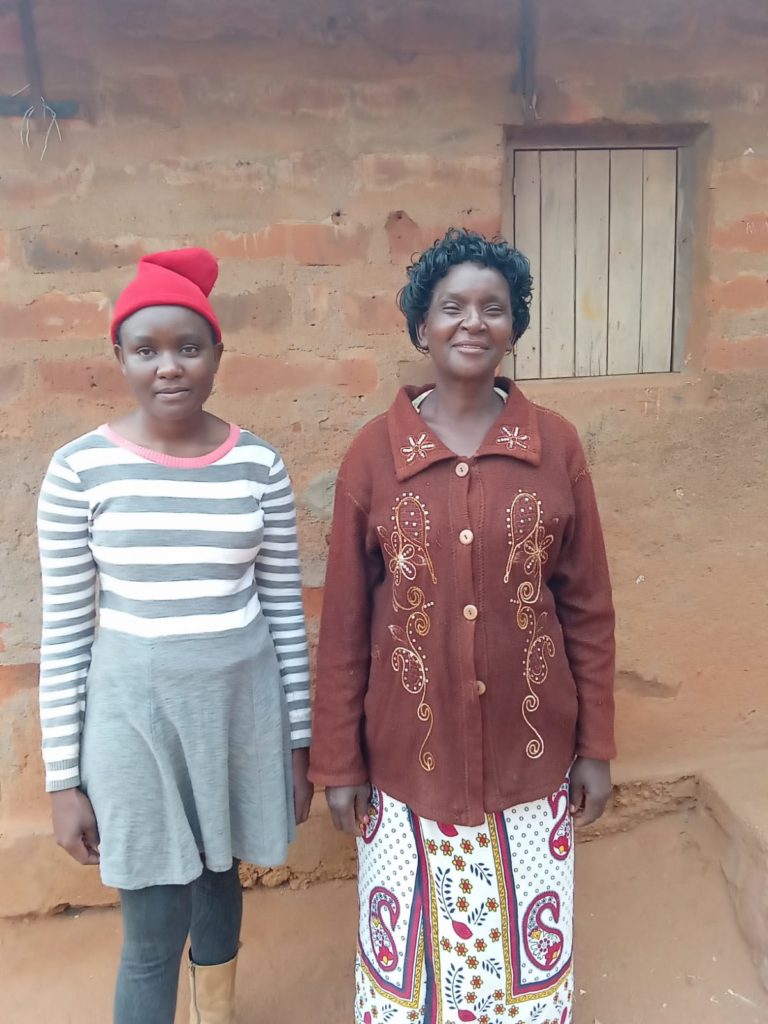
(421, 334)
(218, 351)
(117, 348)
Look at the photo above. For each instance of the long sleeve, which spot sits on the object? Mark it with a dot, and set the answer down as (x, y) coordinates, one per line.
(344, 652)
(278, 582)
(69, 619)
(582, 590)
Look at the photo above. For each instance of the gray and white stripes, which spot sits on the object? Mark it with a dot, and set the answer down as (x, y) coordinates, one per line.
(157, 550)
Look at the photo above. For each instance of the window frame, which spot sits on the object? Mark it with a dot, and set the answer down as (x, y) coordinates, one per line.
(690, 142)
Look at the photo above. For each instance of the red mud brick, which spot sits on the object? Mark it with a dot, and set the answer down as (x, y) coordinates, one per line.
(47, 254)
(56, 316)
(11, 382)
(243, 376)
(728, 355)
(749, 234)
(357, 375)
(268, 309)
(748, 291)
(311, 245)
(226, 174)
(101, 378)
(407, 238)
(387, 98)
(301, 96)
(42, 190)
(313, 602)
(382, 171)
(372, 314)
(17, 677)
(156, 98)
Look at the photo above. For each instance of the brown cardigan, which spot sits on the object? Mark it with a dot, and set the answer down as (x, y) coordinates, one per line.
(466, 647)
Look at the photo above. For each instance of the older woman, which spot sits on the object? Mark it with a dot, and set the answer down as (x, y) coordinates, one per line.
(176, 715)
(464, 711)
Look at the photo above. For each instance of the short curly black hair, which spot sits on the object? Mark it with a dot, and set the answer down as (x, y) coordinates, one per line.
(461, 246)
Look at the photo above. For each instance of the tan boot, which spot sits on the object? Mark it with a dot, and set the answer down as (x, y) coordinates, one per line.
(212, 993)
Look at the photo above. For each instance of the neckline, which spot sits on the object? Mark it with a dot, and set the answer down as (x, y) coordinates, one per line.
(415, 448)
(418, 401)
(174, 461)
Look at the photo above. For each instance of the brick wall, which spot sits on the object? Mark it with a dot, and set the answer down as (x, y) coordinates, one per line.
(314, 147)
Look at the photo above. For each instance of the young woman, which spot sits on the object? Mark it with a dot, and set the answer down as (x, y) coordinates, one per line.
(174, 686)
(464, 710)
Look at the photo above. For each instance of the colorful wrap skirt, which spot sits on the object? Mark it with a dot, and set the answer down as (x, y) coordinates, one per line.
(463, 924)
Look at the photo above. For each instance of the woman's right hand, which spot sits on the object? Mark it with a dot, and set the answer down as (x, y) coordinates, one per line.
(349, 807)
(74, 825)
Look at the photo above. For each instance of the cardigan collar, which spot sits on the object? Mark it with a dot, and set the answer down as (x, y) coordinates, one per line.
(515, 432)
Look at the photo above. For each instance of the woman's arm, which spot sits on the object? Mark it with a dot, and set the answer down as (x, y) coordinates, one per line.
(582, 589)
(278, 582)
(69, 620)
(344, 652)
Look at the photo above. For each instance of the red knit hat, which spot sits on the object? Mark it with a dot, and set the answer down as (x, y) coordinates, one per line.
(179, 277)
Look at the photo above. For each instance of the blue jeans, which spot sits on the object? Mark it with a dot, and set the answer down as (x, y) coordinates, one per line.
(156, 923)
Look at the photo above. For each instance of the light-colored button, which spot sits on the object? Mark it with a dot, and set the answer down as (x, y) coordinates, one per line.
(470, 612)
(461, 469)
(480, 687)
(466, 536)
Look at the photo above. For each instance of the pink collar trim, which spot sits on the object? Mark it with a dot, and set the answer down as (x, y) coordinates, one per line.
(174, 461)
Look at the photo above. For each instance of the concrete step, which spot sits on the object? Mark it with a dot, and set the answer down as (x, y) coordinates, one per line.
(734, 793)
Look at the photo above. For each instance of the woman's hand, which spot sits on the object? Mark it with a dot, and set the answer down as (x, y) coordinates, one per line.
(303, 790)
(590, 788)
(349, 807)
(74, 825)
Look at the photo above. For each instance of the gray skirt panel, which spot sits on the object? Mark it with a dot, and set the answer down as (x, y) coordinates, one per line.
(186, 754)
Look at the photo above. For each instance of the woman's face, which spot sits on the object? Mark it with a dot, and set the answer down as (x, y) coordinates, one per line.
(169, 359)
(468, 328)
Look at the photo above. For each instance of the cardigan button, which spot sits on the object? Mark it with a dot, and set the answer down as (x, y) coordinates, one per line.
(470, 612)
(466, 536)
(462, 469)
(480, 687)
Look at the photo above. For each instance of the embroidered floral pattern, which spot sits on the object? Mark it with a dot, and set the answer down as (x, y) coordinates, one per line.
(401, 554)
(513, 439)
(407, 550)
(417, 448)
(529, 545)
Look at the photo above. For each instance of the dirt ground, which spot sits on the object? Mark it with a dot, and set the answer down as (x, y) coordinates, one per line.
(657, 943)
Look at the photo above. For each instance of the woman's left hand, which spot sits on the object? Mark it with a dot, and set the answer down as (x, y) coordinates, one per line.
(303, 790)
(590, 789)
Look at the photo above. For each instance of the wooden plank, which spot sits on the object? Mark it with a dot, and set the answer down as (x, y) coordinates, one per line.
(658, 277)
(508, 196)
(507, 367)
(684, 272)
(558, 250)
(527, 217)
(625, 260)
(17, 106)
(592, 193)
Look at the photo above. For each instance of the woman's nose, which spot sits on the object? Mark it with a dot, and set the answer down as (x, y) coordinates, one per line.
(167, 366)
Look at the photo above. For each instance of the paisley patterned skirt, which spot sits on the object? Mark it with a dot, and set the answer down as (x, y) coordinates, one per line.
(463, 924)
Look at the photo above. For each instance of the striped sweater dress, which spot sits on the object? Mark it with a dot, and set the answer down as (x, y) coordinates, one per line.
(174, 675)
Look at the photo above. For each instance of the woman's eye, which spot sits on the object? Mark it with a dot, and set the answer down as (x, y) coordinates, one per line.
(451, 307)
(190, 350)
(144, 352)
